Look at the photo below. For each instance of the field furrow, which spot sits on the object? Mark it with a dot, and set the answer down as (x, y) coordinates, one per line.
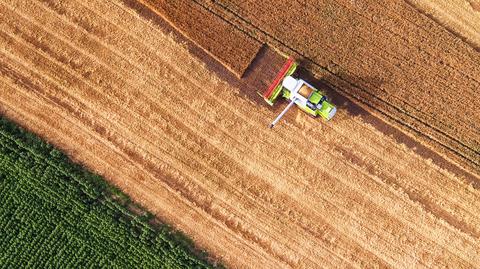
(128, 100)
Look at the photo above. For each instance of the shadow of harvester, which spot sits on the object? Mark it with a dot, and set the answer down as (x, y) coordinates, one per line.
(339, 100)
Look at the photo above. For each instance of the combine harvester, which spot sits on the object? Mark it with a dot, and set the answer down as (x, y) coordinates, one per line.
(298, 92)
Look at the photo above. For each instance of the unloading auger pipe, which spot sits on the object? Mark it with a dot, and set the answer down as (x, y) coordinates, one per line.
(281, 114)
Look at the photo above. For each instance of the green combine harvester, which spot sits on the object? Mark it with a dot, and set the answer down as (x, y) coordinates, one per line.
(299, 92)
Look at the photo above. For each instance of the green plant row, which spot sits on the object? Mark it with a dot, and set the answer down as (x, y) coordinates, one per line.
(55, 214)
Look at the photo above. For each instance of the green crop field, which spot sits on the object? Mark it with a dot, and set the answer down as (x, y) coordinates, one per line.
(53, 213)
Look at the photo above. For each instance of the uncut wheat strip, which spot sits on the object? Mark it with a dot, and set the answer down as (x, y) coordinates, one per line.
(381, 12)
(220, 39)
(411, 26)
(453, 14)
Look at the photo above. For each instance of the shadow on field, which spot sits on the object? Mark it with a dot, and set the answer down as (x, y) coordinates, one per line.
(339, 100)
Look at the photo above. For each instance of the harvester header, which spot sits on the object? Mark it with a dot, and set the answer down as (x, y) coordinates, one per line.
(275, 88)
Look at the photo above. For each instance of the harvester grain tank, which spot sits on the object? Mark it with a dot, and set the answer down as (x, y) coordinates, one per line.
(299, 92)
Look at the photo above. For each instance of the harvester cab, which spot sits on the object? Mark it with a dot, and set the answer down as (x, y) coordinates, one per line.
(299, 92)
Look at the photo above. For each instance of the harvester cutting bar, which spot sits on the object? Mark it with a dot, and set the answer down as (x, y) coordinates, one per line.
(275, 88)
(281, 114)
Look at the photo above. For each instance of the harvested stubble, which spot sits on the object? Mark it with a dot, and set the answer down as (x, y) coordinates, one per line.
(127, 100)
